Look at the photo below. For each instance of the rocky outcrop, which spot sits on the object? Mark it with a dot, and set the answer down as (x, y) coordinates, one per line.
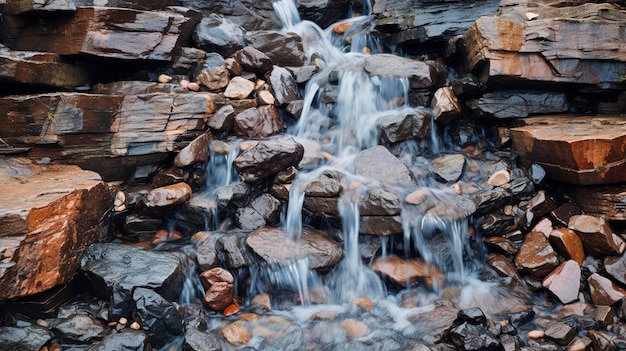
(49, 214)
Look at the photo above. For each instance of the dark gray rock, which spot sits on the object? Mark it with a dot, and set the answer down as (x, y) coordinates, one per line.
(218, 34)
(519, 104)
(222, 119)
(253, 60)
(250, 14)
(232, 251)
(560, 333)
(379, 202)
(212, 73)
(157, 316)
(380, 225)
(267, 158)
(80, 328)
(495, 224)
(323, 12)
(284, 49)
(379, 164)
(420, 74)
(113, 270)
(396, 126)
(27, 338)
(247, 218)
(258, 122)
(432, 326)
(284, 85)
(268, 207)
(127, 339)
(490, 200)
(472, 337)
(198, 338)
(449, 168)
(234, 194)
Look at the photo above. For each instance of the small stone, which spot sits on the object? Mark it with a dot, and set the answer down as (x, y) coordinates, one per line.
(560, 333)
(135, 326)
(231, 309)
(193, 86)
(263, 300)
(341, 28)
(355, 328)
(596, 235)
(55, 347)
(364, 303)
(236, 334)
(603, 291)
(535, 334)
(239, 88)
(122, 321)
(568, 244)
(184, 83)
(164, 78)
(531, 15)
(264, 97)
(417, 197)
(120, 198)
(536, 255)
(564, 282)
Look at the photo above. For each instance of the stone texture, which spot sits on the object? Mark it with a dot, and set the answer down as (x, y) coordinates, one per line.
(16, 7)
(273, 245)
(258, 122)
(420, 74)
(615, 267)
(218, 34)
(127, 339)
(220, 289)
(564, 282)
(213, 73)
(603, 291)
(80, 328)
(239, 88)
(379, 202)
(518, 103)
(536, 256)
(49, 214)
(267, 158)
(164, 200)
(449, 167)
(396, 126)
(596, 235)
(283, 85)
(576, 150)
(106, 32)
(38, 68)
(445, 105)
(251, 15)
(196, 152)
(31, 337)
(380, 225)
(406, 272)
(253, 60)
(379, 164)
(568, 244)
(158, 317)
(284, 49)
(604, 200)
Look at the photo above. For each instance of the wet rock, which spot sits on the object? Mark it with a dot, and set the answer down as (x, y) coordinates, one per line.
(603, 291)
(283, 85)
(80, 328)
(564, 282)
(380, 225)
(218, 34)
(322, 206)
(113, 270)
(235, 194)
(490, 200)
(601, 340)
(420, 74)
(472, 315)
(268, 207)
(127, 339)
(495, 224)
(540, 205)
(604, 315)
(407, 272)
(565, 140)
(152, 35)
(284, 49)
(49, 214)
(579, 344)
(135, 225)
(596, 235)
(323, 253)
(251, 15)
(239, 88)
(502, 245)
(164, 200)
(499, 178)
(355, 328)
(433, 326)
(379, 164)
(197, 338)
(166, 176)
(295, 108)
(195, 152)
(503, 266)
(519, 104)
(253, 60)
(445, 105)
(258, 122)
(267, 158)
(219, 286)
(396, 126)
(603, 200)
(615, 266)
(23, 338)
(379, 202)
(206, 254)
(265, 97)
(40, 69)
(236, 334)
(324, 186)
(222, 119)
(303, 74)
(157, 316)
(536, 255)
(474, 337)
(213, 73)
(18, 7)
(562, 214)
(568, 244)
(232, 251)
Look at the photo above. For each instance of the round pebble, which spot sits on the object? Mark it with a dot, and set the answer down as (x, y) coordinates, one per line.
(193, 86)
(164, 78)
(123, 321)
(535, 334)
(135, 326)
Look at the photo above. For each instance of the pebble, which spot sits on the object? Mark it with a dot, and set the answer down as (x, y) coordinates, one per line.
(535, 334)
(184, 84)
(499, 178)
(531, 15)
(55, 347)
(193, 86)
(123, 321)
(231, 309)
(135, 326)
(42, 323)
(364, 302)
(457, 188)
(164, 78)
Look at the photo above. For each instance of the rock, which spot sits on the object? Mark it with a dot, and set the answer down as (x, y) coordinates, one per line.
(495, 224)
(136, 225)
(449, 167)
(605, 200)
(184, 61)
(540, 205)
(236, 334)
(519, 103)
(396, 126)
(355, 328)
(499, 178)
(579, 344)
(615, 266)
(218, 34)
(323, 253)
(564, 139)
(268, 207)
(604, 315)
(603, 291)
(195, 152)
(407, 272)
(265, 97)
(326, 185)
(379, 202)
(38, 68)
(253, 60)
(303, 74)
(23, 338)
(445, 105)
(474, 337)
(232, 251)
(536, 256)
(220, 289)
(239, 88)
(489, 200)
(206, 254)
(164, 200)
(258, 122)
(502, 245)
(164, 176)
(222, 119)
(213, 73)
(113, 270)
(284, 49)
(600, 340)
(49, 214)
(596, 235)
(126, 339)
(473, 315)
(157, 316)
(18, 7)
(200, 340)
(283, 85)
(322, 206)
(267, 158)
(379, 164)
(107, 32)
(420, 74)
(562, 214)
(564, 282)
(568, 244)
(433, 326)
(234, 194)
(251, 15)
(80, 328)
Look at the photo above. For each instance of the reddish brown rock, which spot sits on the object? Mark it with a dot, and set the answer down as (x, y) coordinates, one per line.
(164, 200)
(258, 122)
(219, 286)
(239, 88)
(40, 68)
(253, 60)
(445, 105)
(577, 150)
(536, 255)
(236, 334)
(503, 266)
(405, 272)
(196, 152)
(355, 328)
(502, 245)
(564, 282)
(615, 266)
(609, 201)
(268, 157)
(603, 291)
(380, 225)
(596, 235)
(49, 214)
(568, 244)
(105, 32)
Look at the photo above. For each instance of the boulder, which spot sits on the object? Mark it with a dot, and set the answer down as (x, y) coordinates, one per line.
(49, 214)
(596, 235)
(275, 246)
(114, 270)
(603, 291)
(577, 150)
(164, 200)
(249, 14)
(105, 32)
(536, 256)
(39, 68)
(396, 126)
(284, 49)
(158, 317)
(607, 201)
(380, 165)
(283, 85)
(564, 282)
(253, 60)
(232, 251)
(267, 158)
(217, 34)
(258, 122)
(503, 266)
(196, 151)
(420, 74)
(518, 103)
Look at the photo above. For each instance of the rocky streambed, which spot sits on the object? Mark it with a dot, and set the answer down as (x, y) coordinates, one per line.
(215, 175)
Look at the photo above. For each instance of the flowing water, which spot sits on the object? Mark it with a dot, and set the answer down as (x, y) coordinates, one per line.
(343, 129)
